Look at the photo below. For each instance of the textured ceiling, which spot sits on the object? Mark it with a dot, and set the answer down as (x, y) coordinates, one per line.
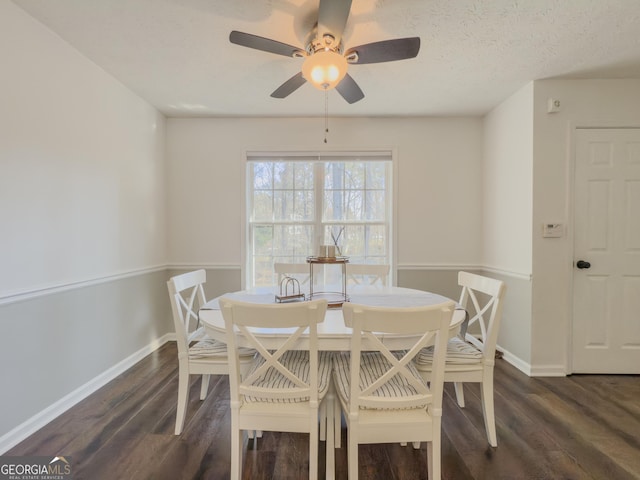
(475, 53)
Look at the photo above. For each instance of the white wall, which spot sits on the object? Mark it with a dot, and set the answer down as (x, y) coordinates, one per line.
(609, 103)
(82, 183)
(507, 182)
(82, 220)
(438, 167)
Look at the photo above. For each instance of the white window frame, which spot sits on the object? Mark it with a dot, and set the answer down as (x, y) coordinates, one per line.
(324, 156)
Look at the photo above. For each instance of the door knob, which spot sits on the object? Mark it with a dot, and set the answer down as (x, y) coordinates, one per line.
(582, 264)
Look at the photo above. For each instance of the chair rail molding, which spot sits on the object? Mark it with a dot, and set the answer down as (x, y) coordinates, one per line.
(31, 293)
(206, 266)
(467, 267)
(433, 266)
(508, 273)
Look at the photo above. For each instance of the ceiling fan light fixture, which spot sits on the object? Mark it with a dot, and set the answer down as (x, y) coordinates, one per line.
(324, 69)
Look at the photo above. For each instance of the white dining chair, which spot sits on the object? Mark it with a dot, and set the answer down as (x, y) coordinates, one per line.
(197, 353)
(283, 389)
(299, 271)
(367, 274)
(383, 397)
(357, 274)
(472, 358)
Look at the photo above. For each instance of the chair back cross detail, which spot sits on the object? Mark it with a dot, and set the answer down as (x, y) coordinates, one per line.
(398, 364)
(188, 295)
(298, 387)
(482, 297)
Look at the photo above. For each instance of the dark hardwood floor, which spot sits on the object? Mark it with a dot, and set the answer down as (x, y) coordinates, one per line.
(578, 427)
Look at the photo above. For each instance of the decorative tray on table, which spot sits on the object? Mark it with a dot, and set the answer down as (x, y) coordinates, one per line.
(290, 291)
(339, 259)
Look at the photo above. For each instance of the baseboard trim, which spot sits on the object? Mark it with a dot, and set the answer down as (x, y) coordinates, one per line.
(517, 362)
(548, 371)
(533, 370)
(24, 430)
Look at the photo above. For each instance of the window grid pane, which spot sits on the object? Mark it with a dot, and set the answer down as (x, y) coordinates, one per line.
(354, 209)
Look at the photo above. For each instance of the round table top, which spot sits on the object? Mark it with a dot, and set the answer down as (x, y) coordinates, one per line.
(333, 334)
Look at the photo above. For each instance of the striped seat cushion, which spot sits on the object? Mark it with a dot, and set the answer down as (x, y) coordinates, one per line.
(208, 347)
(372, 365)
(459, 352)
(297, 361)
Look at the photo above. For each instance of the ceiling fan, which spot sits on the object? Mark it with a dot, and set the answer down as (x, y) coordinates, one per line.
(326, 62)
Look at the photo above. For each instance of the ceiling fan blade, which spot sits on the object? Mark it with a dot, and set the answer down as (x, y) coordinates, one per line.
(332, 18)
(385, 51)
(261, 43)
(349, 89)
(290, 86)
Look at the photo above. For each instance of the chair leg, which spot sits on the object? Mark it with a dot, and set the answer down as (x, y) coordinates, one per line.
(183, 397)
(330, 463)
(236, 451)
(434, 470)
(204, 388)
(337, 422)
(313, 447)
(486, 393)
(254, 435)
(352, 452)
(335, 418)
(323, 419)
(430, 461)
(459, 393)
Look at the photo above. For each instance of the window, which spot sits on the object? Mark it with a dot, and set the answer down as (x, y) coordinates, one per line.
(295, 203)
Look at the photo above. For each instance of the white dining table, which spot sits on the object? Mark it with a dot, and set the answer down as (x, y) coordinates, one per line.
(333, 334)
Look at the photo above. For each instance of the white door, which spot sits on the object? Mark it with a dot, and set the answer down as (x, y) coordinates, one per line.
(606, 274)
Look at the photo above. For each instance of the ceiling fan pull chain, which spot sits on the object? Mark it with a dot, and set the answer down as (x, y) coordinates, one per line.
(326, 115)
